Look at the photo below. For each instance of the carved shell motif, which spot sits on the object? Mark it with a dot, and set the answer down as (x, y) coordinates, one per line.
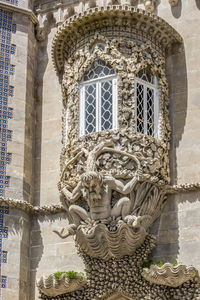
(97, 241)
(169, 275)
(50, 286)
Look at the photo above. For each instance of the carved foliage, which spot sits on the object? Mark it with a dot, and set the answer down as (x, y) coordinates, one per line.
(151, 153)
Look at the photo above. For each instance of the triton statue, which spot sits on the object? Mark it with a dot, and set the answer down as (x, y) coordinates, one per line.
(97, 191)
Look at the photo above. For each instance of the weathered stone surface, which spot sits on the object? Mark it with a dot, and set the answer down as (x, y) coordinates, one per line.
(169, 275)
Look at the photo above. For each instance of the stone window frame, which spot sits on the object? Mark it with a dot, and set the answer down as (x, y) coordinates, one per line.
(156, 103)
(84, 57)
(98, 82)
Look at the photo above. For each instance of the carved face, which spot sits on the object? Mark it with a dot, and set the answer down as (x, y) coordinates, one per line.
(92, 182)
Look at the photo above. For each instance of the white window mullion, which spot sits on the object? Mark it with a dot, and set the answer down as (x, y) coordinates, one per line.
(82, 110)
(145, 109)
(136, 108)
(98, 99)
(114, 104)
(156, 112)
(66, 125)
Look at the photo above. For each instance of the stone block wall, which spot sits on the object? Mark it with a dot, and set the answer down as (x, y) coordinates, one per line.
(178, 230)
(48, 125)
(17, 246)
(178, 227)
(23, 122)
(49, 253)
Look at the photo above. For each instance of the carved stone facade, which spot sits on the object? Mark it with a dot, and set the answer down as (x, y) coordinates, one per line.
(128, 194)
(117, 178)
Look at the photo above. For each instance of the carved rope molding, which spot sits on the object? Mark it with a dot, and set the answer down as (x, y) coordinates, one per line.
(80, 24)
(54, 208)
(30, 209)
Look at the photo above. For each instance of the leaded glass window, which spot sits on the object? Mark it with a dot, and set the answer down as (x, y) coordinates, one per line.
(147, 104)
(98, 99)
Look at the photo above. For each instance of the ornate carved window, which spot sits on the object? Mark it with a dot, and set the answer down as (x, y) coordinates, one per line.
(147, 103)
(98, 98)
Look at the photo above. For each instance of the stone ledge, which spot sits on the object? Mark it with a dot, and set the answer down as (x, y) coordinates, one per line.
(30, 209)
(23, 11)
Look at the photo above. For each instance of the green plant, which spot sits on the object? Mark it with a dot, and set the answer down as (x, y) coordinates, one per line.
(70, 275)
(148, 263)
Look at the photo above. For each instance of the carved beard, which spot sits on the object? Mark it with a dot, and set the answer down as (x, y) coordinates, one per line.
(93, 197)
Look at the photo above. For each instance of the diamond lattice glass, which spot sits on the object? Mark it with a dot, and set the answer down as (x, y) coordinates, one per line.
(106, 105)
(90, 108)
(98, 69)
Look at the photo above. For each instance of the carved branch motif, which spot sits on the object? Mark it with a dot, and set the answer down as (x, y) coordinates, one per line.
(169, 275)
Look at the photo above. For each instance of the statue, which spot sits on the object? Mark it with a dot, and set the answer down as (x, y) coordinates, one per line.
(96, 189)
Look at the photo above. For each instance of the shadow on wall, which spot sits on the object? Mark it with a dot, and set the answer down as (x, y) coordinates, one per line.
(198, 3)
(178, 95)
(176, 10)
(167, 227)
(178, 230)
(43, 226)
(42, 63)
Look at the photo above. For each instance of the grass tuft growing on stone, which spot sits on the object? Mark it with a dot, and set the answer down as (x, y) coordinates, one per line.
(148, 263)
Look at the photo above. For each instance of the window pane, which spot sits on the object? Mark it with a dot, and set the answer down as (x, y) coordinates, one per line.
(98, 69)
(140, 107)
(106, 105)
(90, 108)
(145, 74)
(150, 111)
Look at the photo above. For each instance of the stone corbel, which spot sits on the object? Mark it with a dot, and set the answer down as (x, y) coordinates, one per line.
(44, 22)
(173, 2)
(41, 26)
